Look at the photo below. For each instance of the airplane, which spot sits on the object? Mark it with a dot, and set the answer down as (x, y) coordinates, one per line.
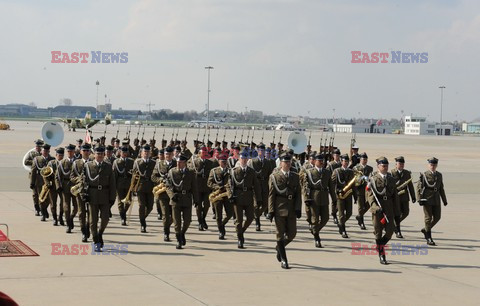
(85, 123)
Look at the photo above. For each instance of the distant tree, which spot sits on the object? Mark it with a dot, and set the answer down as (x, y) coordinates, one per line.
(66, 102)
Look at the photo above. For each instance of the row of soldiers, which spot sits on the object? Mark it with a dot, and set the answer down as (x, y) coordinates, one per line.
(243, 183)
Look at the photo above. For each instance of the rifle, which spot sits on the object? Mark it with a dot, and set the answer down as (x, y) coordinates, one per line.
(321, 138)
(253, 133)
(138, 131)
(163, 136)
(235, 137)
(241, 137)
(281, 132)
(352, 143)
(143, 133)
(128, 131)
(105, 131)
(173, 133)
(154, 131)
(118, 130)
(176, 135)
(248, 135)
(186, 133)
(204, 133)
(198, 132)
(263, 133)
(224, 134)
(274, 130)
(216, 137)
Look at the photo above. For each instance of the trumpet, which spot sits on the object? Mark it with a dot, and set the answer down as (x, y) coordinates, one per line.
(133, 188)
(159, 189)
(46, 173)
(402, 188)
(218, 195)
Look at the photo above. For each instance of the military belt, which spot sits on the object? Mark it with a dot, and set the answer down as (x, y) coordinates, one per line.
(289, 197)
(99, 187)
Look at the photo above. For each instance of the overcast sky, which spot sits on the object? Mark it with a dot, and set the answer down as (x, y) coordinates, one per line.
(291, 57)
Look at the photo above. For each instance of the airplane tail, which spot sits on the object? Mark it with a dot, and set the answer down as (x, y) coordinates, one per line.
(88, 116)
(108, 118)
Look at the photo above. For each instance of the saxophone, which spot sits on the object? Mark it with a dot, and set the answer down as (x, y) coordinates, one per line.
(46, 173)
(402, 188)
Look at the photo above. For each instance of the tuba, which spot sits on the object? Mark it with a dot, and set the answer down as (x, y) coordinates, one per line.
(52, 133)
(218, 195)
(403, 188)
(47, 174)
(297, 142)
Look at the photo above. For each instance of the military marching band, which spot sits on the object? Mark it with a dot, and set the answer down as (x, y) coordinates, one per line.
(245, 183)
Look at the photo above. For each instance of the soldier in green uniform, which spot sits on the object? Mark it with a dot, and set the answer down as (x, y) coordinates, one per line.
(185, 151)
(285, 205)
(341, 177)
(182, 189)
(122, 170)
(317, 186)
(201, 168)
(159, 175)
(404, 189)
(242, 186)
(77, 202)
(429, 192)
(144, 167)
(363, 205)
(37, 151)
(101, 194)
(262, 169)
(334, 164)
(63, 174)
(217, 181)
(382, 196)
(36, 179)
(56, 185)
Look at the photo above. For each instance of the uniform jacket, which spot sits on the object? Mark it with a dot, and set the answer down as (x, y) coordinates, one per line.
(317, 185)
(182, 187)
(341, 177)
(285, 195)
(39, 162)
(386, 192)
(401, 178)
(101, 183)
(243, 185)
(201, 169)
(121, 170)
(430, 188)
(145, 169)
(366, 170)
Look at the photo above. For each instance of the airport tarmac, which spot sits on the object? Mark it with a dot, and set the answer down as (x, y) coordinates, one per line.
(213, 272)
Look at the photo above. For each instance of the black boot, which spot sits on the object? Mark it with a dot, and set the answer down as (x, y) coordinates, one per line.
(257, 224)
(143, 226)
(398, 232)
(37, 210)
(44, 214)
(425, 234)
(381, 252)
(429, 239)
(123, 216)
(241, 241)
(200, 224)
(221, 232)
(100, 240)
(97, 245)
(60, 220)
(283, 254)
(184, 240)
(55, 220)
(84, 234)
(335, 219)
(69, 226)
(179, 241)
(318, 243)
(72, 224)
(279, 257)
(166, 234)
(361, 223)
(159, 215)
(343, 231)
(204, 223)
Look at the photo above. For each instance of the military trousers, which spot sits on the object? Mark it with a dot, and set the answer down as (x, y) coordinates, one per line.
(286, 227)
(203, 206)
(219, 206)
(433, 213)
(319, 217)
(378, 228)
(179, 213)
(404, 209)
(97, 209)
(121, 194)
(145, 204)
(344, 210)
(239, 210)
(164, 201)
(261, 209)
(71, 207)
(363, 205)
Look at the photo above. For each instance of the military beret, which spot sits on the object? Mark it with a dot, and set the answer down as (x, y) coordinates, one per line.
(184, 142)
(286, 157)
(125, 141)
(46, 146)
(222, 156)
(253, 144)
(117, 140)
(124, 149)
(236, 147)
(177, 148)
(337, 151)
(280, 144)
(272, 144)
(382, 160)
(86, 147)
(319, 157)
(100, 149)
(268, 150)
(209, 143)
(70, 147)
(109, 148)
(168, 149)
(103, 137)
(39, 142)
(146, 148)
(400, 159)
(80, 140)
(261, 146)
(344, 157)
(97, 139)
(364, 155)
(164, 141)
(224, 142)
(182, 157)
(291, 152)
(244, 154)
(60, 151)
(433, 160)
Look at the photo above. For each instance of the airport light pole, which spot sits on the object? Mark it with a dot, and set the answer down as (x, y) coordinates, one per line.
(441, 108)
(208, 97)
(96, 109)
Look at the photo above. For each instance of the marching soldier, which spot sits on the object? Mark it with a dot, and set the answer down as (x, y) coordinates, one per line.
(185, 151)
(109, 156)
(37, 151)
(122, 170)
(101, 194)
(36, 179)
(144, 167)
(355, 159)
(181, 189)
(161, 156)
(217, 181)
(263, 170)
(284, 204)
(53, 194)
(429, 192)
(201, 168)
(78, 203)
(404, 189)
(382, 196)
(341, 178)
(334, 164)
(242, 187)
(159, 175)
(317, 185)
(363, 205)
(233, 159)
(78, 150)
(63, 173)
